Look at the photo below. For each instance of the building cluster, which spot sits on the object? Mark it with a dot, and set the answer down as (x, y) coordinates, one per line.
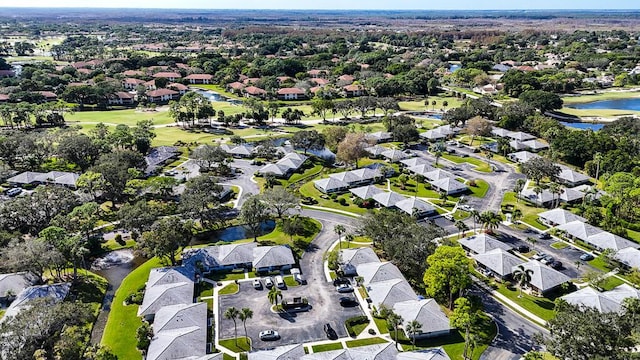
(386, 351)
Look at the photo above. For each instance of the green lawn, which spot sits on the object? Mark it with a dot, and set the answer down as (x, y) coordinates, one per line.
(120, 330)
(310, 191)
(327, 347)
(529, 213)
(310, 228)
(481, 188)
(542, 307)
(480, 165)
(229, 289)
(296, 177)
(365, 342)
(2, 313)
(599, 264)
(128, 117)
(290, 282)
(381, 324)
(223, 276)
(559, 245)
(424, 190)
(611, 282)
(204, 289)
(243, 344)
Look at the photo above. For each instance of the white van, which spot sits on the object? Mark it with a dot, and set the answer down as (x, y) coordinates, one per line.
(280, 282)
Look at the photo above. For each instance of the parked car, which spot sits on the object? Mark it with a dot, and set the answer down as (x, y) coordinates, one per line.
(529, 231)
(171, 173)
(586, 257)
(297, 276)
(331, 334)
(547, 260)
(348, 301)
(449, 217)
(268, 282)
(486, 272)
(269, 335)
(280, 282)
(556, 265)
(523, 249)
(466, 207)
(344, 288)
(257, 284)
(539, 256)
(14, 192)
(341, 280)
(544, 236)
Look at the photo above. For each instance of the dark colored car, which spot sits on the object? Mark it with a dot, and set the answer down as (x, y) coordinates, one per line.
(331, 334)
(523, 248)
(348, 302)
(545, 236)
(529, 231)
(556, 265)
(341, 280)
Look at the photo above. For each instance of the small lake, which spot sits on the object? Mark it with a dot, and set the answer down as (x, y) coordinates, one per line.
(632, 104)
(240, 232)
(583, 126)
(211, 95)
(454, 67)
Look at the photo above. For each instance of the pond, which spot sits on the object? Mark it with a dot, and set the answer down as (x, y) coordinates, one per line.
(113, 266)
(583, 126)
(211, 95)
(454, 67)
(240, 232)
(632, 104)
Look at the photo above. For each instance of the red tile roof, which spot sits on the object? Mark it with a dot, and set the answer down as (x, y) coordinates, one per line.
(236, 85)
(123, 95)
(164, 74)
(252, 90)
(48, 94)
(178, 87)
(199, 77)
(133, 81)
(289, 91)
(133, 73)
(161, 92)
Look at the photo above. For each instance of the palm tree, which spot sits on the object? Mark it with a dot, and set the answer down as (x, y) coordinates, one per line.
(244, 315)
(516, 215)
(518, 187)
(523, 277)
(273, 295)
(437, 150)
(349, 238)
(434, 103)
(475, 215)
(445, 103)
(394, 320)
(555, 189)
(597, 158)
(462, 227)
(232, 314)
(538, 190)
(413, 328)
(339, 230)
(490, 220)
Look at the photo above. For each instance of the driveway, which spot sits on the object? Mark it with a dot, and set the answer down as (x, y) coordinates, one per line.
(322, 296)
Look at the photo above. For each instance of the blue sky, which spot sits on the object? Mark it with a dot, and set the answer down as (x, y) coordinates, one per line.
(335, 4)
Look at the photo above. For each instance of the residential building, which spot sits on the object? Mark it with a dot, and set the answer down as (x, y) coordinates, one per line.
(179, 331)
(519, 136)
(350, 259)
(256, 92)
(416, 207)
(482, 243)
(181, 89)
(373, 272)
(522, 156)
(169, 75)
(61, 178)
(604, 302)
(287, 352)
(291, 94)
(330, 185)
(220, 257)
(354, 90)
(366, 192)
(376, 150)
(415, 161)
(122, 98)
(450, 186)
(390, 292)
(427, 313)
(284, 167)
(238, 151)
(53, 292)
(199, 78)
(162, 95)
(379, 136)
(558, 216)
(13, 284)
(167, 286)
(270, 258)
(543, 278)
(131, 83)
(388, 198)
(394, 155)
(499, 261)
(572, 178)
(159, 156)
(629, 258)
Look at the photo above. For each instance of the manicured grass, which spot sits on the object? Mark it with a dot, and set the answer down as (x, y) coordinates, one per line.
(120, 330)
(539, 306)
(453, 344)
(229, 289)
(128, 117)
(243, 344)
(290, 282)
(480, 165)
(204, 289)
(529, 213)
(633, 235)
(365, 342)
(311, 228)
(2, 313)
(381, 324)
(351, 245)
(424, 190)
(481, 188)
(611, 282)
(308, 173)
(327, 347)
(111, 245)
(559, 245)
(309, 190)
(359, 328)
(223, 276)
(599, 264)
(90, 289)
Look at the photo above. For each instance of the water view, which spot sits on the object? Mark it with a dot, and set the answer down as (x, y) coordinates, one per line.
(583, 126)
(632, 104)
(240, 232)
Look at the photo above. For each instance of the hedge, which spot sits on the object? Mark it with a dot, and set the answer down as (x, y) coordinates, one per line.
(356, 320)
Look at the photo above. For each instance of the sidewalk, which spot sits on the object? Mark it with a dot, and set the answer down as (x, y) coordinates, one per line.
(510, 303)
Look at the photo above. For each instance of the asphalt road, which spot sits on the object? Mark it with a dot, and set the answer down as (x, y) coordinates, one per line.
(515, 333)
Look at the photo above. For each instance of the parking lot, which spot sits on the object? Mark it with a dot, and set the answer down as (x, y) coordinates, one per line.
(293, 327)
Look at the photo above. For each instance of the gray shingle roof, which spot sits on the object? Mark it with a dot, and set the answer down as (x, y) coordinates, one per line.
(287, 352)
(180, 331)
(629, 256)
(170, 275)
(498, 260)
(54, 292)
(427, 354)
(373, 272)
(270, 256)
(16, 282)
(330, 184)
(388, 198)
(427, 312)
(560, 216)
(450, 185)
(414, 162)
(483, 243)
(607, 240)
(523, 156)
(394, 155)
(390, 292)
(579, 229)
(358, 256)
(410, 205)
(366, 192)
(607, 301)
(544, 277)
(158, 296)
(422, 169)
(376, 150)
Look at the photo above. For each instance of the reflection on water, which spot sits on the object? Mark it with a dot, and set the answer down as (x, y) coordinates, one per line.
(583, 126)
(619, 104)
(238, 232)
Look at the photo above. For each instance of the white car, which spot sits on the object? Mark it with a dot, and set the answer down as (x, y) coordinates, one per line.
(280, 282)
(268, 335)
(466, 207)
(257, 284)
(344, 288)
(268, 282)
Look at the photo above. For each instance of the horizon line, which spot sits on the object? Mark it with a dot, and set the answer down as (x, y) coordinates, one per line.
(303, 9)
